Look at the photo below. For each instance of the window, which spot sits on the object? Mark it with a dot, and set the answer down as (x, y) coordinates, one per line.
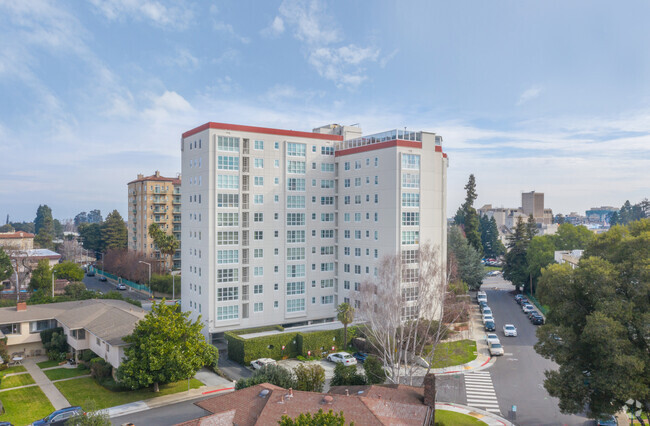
(295, 253)
(295, 236)
(410, 275)
(227, 293)
(227, 256)
(227, 275)
(411, 161)
(346, 166)
(327, 267)
(258, 163)
(357, 164)
(346, 199)
(327, 183)
(325, 250)
(276, 164)
(34, 326)
(346, 285)
(258, 289)
(409, 312)
(295, 219)
(357, 199)
(296, 149)
(410, 218)
(357, 269)
(410, 256)
(327, 201)
(294, 271)
(258, 235)
(376, 198)
(259, 144)
(227, 200)
(327, 233)
(275, 304)
(346, 183)
(357, 217)
(227, 163)
(327, 300)
(276, 145)
(376, 161)
(227, 313)
(225, 143)
(327, 150)
(259, 181)
(295, 305)
(227, 181)
(327, 217)
(295, 201)
(346, 267)
(410, 199)
(258, 199)
(357, 251)
(227, 238)
(295, 184)
(275, 286)
(327, 283)
(276, 180)
(258, 271)
(296, 167)
(258, 306)
(357, 234)
(327, 167)
(346, 233)
(346, 217)
(357, 181)
(258, 217)
(357, 286)
(410, 180)
(258, 253)
(346, 250)
(410, 237)
(296, 287)
(227, 219)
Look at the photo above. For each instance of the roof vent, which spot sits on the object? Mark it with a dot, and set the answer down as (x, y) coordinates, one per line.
(328, 400)
(264, 393)
(359, 393)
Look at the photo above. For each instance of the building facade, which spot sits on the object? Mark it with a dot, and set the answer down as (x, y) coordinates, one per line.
(280, 226)
(154, 199)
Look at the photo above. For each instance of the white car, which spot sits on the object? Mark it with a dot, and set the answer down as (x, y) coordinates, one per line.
(509, 330)
(527, 308)
(495, 348)
(486, 311)
(262, 362)
(121, 286)
(342, 358)
(487, 317)
(492, 338)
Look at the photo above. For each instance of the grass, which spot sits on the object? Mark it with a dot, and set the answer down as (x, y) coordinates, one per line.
(23, 406)
(492, 268)
(65, 373)
(454, 353)
(14, 369)
(15, 381)
(87, 392)
(452, 418)
(47, 364)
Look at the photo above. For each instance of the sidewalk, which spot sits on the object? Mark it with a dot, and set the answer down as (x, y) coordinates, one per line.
(56, 398)
(483, 416)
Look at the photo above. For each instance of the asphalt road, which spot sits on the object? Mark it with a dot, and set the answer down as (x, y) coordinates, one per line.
(93, 283)
(518, 376)
(163, 416)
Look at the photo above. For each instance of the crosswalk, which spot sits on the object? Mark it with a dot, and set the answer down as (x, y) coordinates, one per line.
(480, 392)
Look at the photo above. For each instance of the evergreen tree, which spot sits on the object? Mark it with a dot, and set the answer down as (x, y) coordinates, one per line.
(468, 262)
(95, 216)
(80, 218)
(44, 226)
(114, 232)
(6, 269)
(515, 268)
(470, 216)
(492, 246)
(41, 280)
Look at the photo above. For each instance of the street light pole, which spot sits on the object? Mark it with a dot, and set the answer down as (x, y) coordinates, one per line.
(149, 265)
(173, 274)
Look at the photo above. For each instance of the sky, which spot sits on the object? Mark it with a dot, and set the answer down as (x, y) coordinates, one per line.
(551, 96)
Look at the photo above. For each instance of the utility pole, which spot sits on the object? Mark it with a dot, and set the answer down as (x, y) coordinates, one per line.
(149, 265)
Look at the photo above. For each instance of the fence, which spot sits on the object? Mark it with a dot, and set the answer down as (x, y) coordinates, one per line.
(141, 287)
(536, 303)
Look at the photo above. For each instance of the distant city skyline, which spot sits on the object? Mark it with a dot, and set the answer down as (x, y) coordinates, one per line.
(544, 96)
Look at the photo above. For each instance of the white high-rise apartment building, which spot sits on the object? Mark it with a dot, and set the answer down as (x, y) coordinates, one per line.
(280, 226)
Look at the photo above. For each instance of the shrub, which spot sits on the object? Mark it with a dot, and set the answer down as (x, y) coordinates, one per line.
(163, 284)
(347, 375)
(100, 369)
(310, 378)
(375, 373)
(55, 343)
(273, 374)
(77, 291)
(56, 356)
(246, 350)
(87, 355)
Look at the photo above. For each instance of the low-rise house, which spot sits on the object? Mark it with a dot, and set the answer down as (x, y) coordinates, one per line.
(18, 240)
(24, 262)
(572, 257)
(95, 324)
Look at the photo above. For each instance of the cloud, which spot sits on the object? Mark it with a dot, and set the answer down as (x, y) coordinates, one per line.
(183, 59)
(158, 13)
(333, 63)
(529, 94)
(221, 26)
(275, 29)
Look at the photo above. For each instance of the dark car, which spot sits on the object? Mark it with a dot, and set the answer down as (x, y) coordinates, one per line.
(609, 421)
(90, 273)
(538, 320)
(482, 305)
(489, 326)
(532, 314)
(60, 417)
(102, 278)
(360, 356)
(518, 296)
(522, 301)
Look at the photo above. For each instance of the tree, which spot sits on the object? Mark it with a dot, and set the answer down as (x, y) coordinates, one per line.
(44, 226)
(165, 346)
(114, 232)
(309, 377)
(92, 417)
(57, 228)
(24, 226)
(464, 261)
(347, 375)
(80, 218)
(95, 216)
(492, 245)
(91, 235)
(69, 271)
(597, 325)
(7, 228)
(319, 419)
(166, 243)
(515, 268)
(540, 253)
(273, 374)
(41, 280)
(470, 216)
(570, 237)
(345, 314)
(6, 269)
(375, 373)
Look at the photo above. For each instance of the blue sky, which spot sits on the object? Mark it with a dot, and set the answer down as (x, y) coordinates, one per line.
(551, 96)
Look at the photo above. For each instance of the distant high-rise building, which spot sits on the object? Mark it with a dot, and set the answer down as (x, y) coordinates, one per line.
(533, 203)
(281, 226)
(154, 199)
(600, 214)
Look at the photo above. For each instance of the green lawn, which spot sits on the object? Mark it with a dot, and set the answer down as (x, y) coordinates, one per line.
(23, 406)
(47, 364)
(15, 381)
(65, 373)
(452, 418)
(492, 268)
(86, 391)
(14, 369)
(454, 353)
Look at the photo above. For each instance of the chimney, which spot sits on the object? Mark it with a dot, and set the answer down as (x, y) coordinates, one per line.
(347, 392)
(140, 175)
(430, 395)
(157, 174)
(21, 306)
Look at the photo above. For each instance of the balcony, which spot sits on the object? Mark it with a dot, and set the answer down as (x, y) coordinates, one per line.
(177, 219)
(177, 200)
(159, 200)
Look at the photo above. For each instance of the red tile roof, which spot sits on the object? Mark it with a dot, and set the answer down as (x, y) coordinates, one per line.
(17, 234)
(261, 130)
(175, 181)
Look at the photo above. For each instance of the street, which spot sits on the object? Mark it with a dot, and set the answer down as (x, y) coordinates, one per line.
(167, 415)
(93, 283)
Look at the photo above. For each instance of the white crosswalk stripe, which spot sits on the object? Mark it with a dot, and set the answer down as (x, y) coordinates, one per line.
(479, 391)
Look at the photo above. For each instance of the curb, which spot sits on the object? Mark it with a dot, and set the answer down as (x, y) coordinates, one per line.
(481, 415)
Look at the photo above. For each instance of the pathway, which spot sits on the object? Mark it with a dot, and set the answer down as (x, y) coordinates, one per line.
(56, 398)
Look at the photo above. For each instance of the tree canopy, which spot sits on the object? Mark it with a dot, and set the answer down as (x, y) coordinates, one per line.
(114, 232)
(44, 226)
(470, 216)
(492, 245)
(41, 279)
(166, 243)
(274, 374)
(629, 213)
(320, 418)
(165, 346)
(91, 235)
(515, 268)
(597, 326)
(68, 270)
(464, 261)
(6, 269)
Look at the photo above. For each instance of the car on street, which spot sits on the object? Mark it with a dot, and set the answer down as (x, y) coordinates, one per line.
(518, 297)
(495, 348)
(493, 273)
(607, 421)
(492, 337)
(482, 305)
(509, 330)
(537, 320)
(121, 286)
(342, 358)
(527, 308)
(60, 417)
(487, 317)
(90, 274)
(262, 362)
(522, 301)
(360, 356)
(486, 310)
(489, 326)
(103, 278)
(532, 314)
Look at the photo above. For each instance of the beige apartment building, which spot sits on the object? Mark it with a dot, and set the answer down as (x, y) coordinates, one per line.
(154, 199)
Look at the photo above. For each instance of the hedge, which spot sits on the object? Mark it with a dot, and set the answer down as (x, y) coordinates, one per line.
(261, 329)
(244, 351)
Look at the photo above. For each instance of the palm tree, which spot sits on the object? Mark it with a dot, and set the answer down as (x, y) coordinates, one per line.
(346, 316)
(167, 244)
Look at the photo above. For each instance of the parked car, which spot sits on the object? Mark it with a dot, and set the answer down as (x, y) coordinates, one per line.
(532, 314)
(527, 308)
(121, 286)
(60, 417)
(481, 296)
(90, 273)
(518, 297)
(482, 305)
(342, 358)
(537, 320)
(486, 310)
(492, 337)
(103, 278)
(487, 317)
(523, 301)
(360, 356)
(509, 330)
(262, 362)
(489, 326)
(495, 348)
(607, 421)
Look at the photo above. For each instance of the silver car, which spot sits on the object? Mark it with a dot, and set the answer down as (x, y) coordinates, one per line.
(495, 349)
(509, 330)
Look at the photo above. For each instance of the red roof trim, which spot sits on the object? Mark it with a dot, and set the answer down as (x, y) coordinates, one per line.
(444, 155)
(380, 145)
(438, 148)
(17, 234)
(175, 181)
(263, 130)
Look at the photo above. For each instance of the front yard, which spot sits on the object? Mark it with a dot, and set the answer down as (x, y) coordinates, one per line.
(87, 392)
(453, 353)
(23, 406)
(47, 364)
(65, 373)
(15, 381)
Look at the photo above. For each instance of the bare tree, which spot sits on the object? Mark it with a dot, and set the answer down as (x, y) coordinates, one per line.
(403, 309)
